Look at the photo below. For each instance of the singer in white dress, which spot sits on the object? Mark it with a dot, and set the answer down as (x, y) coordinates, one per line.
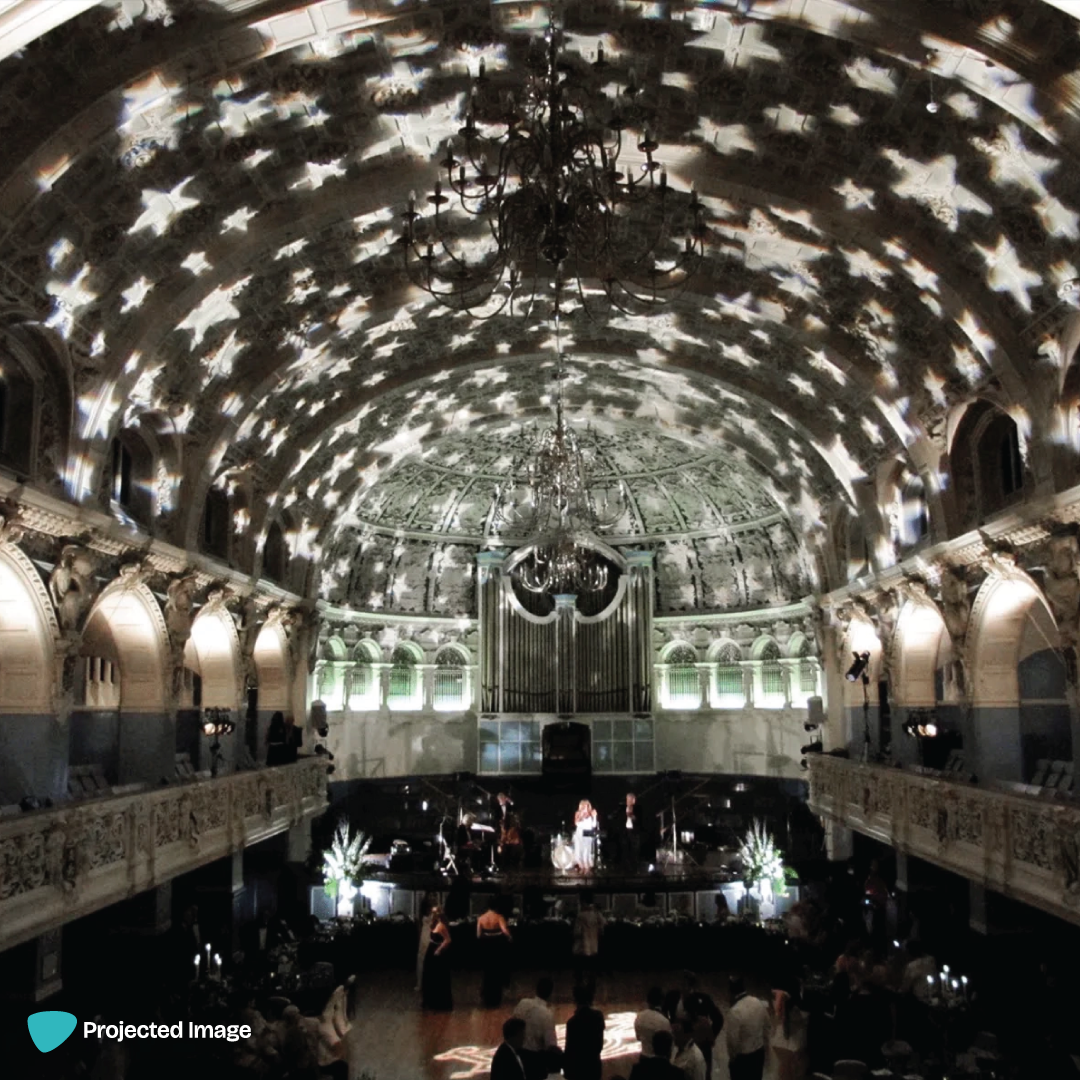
(586, 824)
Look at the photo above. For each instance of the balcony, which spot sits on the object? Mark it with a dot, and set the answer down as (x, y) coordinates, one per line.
(1021, 845)
(60, 864)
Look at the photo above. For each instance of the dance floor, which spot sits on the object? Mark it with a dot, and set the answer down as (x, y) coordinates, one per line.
(393, 1039)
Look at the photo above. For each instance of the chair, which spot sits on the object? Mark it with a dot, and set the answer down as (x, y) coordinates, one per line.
(850, 1069)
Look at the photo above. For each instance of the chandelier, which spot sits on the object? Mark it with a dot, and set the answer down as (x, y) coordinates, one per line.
(536, 168)
(550, 497)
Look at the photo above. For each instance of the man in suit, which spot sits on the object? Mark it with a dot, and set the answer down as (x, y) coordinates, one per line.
(506, 1064)
(627, 829)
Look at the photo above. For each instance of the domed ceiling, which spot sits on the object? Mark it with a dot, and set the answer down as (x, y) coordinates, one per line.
(200, 197)
(673, 488)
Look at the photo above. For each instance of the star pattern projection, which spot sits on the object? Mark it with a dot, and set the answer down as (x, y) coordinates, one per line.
(213, 240)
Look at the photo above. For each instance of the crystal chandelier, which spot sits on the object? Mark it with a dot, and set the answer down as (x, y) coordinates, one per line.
(550, 498)
(536, 169)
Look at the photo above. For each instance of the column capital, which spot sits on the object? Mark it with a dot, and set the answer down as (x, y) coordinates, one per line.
(565, 600)
(638, 558)
(491, 558)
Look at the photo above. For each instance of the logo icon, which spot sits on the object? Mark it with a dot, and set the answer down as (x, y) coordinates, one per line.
(50, 1029)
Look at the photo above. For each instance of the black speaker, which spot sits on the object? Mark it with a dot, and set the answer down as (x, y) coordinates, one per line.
(567, 749)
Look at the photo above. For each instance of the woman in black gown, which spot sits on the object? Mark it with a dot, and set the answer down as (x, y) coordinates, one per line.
(494, 939)
(435, 988)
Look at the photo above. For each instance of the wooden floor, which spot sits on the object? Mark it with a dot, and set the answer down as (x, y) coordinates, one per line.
(393, 1039)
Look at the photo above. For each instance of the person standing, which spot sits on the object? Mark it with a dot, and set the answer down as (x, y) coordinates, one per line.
(627, 829)
(656, 1065)
(541, 1046)
(494, 939)
(651, 1020)
(588, 930)
(507, 1062)
(586, 824)
(748, 1026)
(435, 986)
(688, 1055)
(584, 1038)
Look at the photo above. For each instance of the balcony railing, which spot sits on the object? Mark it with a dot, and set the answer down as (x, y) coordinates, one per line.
(1019, 845)
(60, 864)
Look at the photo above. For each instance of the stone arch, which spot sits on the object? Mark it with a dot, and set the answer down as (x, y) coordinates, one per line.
(213, 652)
(915, 655)
(1017, 676)
(125, 626)
(29, 630)
(1003, 608)
(271, 655)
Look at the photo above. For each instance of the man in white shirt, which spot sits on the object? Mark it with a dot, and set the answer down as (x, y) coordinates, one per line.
(540, 1041)
(651, 1020)
(748, 1025)
(688, 1055)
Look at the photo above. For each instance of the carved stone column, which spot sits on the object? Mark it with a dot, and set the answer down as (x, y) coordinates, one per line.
(489, 605)
(640, 600)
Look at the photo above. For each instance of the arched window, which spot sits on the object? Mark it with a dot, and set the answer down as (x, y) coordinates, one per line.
(772, 673)
(986, 462)
(363, 683)
(1001, 468)
(729, 675)
(131, 471)
(18, 419)
(450, 691)
(682, 682)
(914, 522)
(857, 551)
(275, 559)
(405, 689)
(216, 523)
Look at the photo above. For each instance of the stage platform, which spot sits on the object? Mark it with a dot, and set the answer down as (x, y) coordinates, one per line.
(688, 891)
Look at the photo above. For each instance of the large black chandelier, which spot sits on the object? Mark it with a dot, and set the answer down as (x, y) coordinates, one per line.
(551, 497)
(536, 170)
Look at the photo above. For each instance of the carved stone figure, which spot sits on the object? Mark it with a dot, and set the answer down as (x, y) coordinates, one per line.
(179, 605)
(955, 605)
(1062, 586)
(71, 586)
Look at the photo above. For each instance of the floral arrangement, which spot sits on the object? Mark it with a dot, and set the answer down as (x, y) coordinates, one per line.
(762, 860)
(344, 860)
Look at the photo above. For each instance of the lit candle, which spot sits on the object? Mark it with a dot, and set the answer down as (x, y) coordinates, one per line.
(964, 983)
(217, 967)
(197, 959)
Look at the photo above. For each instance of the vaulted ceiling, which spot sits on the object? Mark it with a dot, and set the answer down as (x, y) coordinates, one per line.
(200, 197)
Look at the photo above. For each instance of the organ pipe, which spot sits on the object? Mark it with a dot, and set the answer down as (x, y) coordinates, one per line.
(566, 662)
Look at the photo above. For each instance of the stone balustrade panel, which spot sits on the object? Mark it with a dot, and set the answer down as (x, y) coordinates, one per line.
(1023, 846)
(60, 864)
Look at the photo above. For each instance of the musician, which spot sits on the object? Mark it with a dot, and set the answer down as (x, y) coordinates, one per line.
(510, 849)
(503, 808)
(468, 851)
(626, 830)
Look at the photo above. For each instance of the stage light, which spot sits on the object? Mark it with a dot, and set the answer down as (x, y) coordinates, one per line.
(423, 806)
(858, 667)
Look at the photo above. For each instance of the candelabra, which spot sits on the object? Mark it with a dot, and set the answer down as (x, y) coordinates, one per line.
(536, 167)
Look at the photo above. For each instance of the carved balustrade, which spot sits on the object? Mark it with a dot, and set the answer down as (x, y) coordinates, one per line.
(1021, 845)
(62, 863)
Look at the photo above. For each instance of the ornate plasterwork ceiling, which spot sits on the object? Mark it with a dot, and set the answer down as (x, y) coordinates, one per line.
(672, 487)
(199, 197)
